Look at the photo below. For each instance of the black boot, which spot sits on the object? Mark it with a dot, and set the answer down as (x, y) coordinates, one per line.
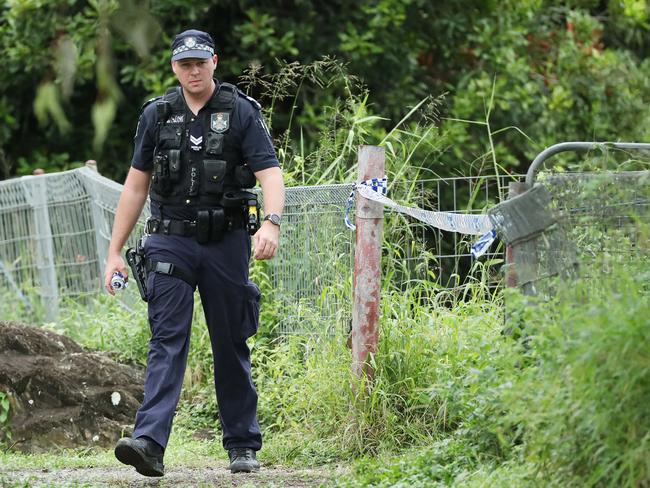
(143, 453)
(243, 460)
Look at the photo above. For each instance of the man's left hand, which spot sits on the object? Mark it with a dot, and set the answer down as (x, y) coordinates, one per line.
(266, 241)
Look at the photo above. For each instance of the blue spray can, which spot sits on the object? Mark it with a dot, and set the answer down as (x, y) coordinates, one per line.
(117, 281)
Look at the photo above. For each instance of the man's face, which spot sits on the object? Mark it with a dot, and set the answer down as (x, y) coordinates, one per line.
(195, 75)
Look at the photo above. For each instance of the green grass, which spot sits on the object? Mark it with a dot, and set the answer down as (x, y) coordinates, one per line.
(564, 404)
(453, 402)
(183, 450)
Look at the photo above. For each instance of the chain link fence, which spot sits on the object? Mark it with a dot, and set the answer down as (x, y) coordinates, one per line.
(569, 224)
(55, 230)
(573, 223)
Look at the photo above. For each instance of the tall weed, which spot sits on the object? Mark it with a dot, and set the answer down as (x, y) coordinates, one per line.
(563, 404)
(582, 405)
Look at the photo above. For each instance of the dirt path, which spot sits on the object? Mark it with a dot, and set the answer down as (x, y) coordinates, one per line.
(217, 476)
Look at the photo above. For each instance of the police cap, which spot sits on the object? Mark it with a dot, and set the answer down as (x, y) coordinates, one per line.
(192, 44)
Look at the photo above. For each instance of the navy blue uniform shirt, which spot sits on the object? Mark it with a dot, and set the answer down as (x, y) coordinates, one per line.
(247, 128)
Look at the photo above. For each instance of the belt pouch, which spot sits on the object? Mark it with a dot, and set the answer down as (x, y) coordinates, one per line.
(232, 200)
(203, 226)
(217, 223)
(174, 164)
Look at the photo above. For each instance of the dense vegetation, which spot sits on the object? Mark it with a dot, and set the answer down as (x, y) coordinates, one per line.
(77, 72)
(455, 401)
(459, 87)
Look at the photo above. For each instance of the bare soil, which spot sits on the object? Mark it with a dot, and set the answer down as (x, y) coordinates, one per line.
(216, 476)
(62, 395)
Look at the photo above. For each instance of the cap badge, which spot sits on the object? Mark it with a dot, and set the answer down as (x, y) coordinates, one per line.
(220, 122)
(190, 42)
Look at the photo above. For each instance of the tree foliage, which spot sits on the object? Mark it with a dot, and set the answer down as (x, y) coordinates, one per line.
(76, 73)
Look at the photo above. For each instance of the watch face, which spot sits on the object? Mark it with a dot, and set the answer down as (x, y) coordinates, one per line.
(274, 218)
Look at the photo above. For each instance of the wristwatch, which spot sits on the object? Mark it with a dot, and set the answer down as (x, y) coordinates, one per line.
(273, 218)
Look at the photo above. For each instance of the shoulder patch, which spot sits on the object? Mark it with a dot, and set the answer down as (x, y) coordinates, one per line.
(252, 101)
(149, 102)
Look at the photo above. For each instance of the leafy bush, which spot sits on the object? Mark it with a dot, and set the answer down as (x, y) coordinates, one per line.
(79, 71)
(563, 405)
(580, 408)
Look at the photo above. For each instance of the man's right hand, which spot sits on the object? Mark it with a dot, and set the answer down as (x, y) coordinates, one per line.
(128, 210)
(114, 263)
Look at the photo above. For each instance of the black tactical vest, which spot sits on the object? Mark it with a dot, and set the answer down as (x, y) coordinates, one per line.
(197, 179)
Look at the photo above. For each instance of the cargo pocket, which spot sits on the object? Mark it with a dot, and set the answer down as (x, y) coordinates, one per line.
(250, 312)
(214, 171)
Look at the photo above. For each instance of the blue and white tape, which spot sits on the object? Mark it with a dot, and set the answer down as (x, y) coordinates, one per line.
(378, 186)
(483, 244)
(375, 189)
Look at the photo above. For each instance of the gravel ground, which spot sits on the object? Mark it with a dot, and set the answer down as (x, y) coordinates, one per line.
(217, 476)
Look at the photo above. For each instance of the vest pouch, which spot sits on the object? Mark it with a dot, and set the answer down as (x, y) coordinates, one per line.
(214, 144)
(160, 178)
(174, 156)
(244, 176)
(163, 110)
(169, 137)
(214, 171)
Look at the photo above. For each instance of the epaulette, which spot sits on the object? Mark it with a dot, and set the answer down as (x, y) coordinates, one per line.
(148, 102)
(252, 101)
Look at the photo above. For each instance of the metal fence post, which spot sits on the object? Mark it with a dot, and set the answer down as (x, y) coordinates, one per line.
(102, 228)
(367, 264)
(36, 194)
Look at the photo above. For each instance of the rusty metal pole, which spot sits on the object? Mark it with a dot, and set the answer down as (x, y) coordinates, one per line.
(367, 264)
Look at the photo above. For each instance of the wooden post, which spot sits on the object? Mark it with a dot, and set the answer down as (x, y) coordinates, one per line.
(367, 264)
(92, 164)
(514, 189)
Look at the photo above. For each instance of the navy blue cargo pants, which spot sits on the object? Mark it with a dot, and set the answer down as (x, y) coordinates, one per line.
(231, 306)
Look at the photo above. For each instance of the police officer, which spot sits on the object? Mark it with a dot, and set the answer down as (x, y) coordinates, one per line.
(197, 149)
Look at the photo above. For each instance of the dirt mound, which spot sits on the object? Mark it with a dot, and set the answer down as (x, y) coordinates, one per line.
(62, 395)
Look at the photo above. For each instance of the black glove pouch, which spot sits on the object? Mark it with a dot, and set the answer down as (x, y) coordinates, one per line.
(217, 224)
(203, 226)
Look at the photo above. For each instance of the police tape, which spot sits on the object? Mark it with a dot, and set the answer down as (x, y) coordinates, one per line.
(375, 189)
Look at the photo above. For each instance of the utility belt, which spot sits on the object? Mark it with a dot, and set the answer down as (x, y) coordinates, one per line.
(239, 211)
